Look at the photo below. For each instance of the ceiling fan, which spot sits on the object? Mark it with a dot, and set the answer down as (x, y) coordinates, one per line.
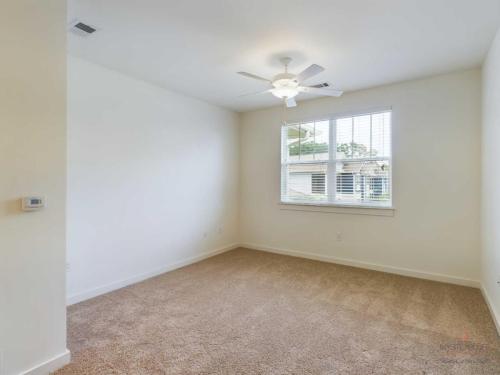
(287, 86)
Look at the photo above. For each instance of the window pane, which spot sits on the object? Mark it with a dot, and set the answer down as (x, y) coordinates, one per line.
(364, 136)
(293, 142)
(363, 182)
(305, 182)
(321, 140)
(381, 134)
(307, 141)
(344, 138)
(360, 147)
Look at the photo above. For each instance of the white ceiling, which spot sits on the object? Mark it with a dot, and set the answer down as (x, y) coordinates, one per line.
(196, 47)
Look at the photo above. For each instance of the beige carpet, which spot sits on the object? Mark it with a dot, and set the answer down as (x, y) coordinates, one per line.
(249, 312)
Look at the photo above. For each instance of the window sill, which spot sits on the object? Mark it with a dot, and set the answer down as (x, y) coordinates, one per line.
(350, 209)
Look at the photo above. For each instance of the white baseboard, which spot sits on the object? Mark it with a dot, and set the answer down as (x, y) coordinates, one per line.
(370, 266)
(50, 365)
(75, 298)
(494, 314)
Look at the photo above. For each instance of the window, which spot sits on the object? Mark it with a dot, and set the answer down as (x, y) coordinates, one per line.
(318, 185)
(342, 160)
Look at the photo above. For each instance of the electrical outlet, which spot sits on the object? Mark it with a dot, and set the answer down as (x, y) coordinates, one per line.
(339, 236)
(68, 266)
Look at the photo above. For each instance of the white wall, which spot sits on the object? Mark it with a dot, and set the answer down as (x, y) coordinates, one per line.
(436, 144)
(149, 173)
(32, 161)
(491, 178)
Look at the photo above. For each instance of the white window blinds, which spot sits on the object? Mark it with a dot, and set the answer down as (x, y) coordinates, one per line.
(344, 160)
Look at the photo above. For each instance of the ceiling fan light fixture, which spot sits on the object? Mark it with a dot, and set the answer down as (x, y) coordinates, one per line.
(285, 92)
(285, 88)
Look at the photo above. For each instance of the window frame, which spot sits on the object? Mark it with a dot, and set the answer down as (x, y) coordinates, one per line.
(331, 177)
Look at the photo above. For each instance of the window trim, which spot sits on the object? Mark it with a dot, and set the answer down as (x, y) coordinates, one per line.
(338, 208)
(331, 205)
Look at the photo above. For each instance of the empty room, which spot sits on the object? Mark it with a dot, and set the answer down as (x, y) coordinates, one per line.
(249, 187)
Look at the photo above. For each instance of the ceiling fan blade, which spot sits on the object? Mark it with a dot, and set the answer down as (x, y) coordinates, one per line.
(290, 102)
(321, 85)
(321, 91)
(254, 93)
(250, 75)
(309, 72)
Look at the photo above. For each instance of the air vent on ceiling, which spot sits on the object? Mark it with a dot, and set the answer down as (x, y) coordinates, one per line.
(322, 85)
(81, 29)
(88, 29)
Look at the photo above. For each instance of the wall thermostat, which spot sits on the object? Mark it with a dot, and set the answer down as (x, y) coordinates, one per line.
(32, 203)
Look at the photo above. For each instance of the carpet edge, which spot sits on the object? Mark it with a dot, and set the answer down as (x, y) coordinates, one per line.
(94, 292)
(494, 314)
(50, 365)
(366, 265)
